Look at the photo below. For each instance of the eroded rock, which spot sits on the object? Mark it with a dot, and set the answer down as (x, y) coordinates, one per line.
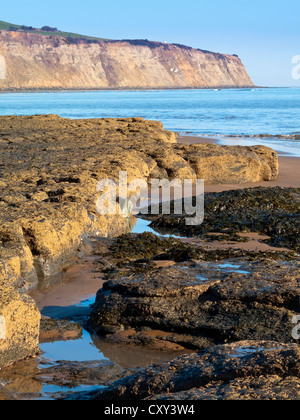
(49, 170)
(271, 211)
(244, 370)
(242, 389)
(205, 302)
(50, 167)
(19, 326)
(204, 297)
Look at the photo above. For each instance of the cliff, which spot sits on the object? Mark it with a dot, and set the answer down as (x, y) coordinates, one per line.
(34, 61)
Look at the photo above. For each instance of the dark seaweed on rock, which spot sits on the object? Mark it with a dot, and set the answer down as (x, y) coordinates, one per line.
(255, 295)
(245, 370)
(147, 247)
(272, 211)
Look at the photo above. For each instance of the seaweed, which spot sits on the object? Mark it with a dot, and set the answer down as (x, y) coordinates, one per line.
(271, 211)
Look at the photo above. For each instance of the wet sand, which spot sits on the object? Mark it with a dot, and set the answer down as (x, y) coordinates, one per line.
(80, 282)
(289, 170)
(256, 242)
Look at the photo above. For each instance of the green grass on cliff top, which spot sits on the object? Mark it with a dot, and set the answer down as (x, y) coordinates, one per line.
(5, 26)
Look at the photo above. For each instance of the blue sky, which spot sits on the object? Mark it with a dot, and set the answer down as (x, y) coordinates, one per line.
(264, 33)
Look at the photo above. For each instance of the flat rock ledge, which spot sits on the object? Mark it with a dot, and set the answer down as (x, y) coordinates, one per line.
(203, 304)
(247, 370)
(49, 170)
(50, 167)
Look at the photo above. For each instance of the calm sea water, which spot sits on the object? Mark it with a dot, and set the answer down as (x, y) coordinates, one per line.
(220, 114)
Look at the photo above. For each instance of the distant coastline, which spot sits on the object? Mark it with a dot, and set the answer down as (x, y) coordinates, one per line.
(125, 89)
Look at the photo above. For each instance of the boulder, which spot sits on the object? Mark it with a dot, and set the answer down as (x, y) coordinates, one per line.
(231, 165)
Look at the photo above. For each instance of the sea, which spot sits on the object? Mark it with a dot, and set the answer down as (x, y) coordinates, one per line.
(268, 116)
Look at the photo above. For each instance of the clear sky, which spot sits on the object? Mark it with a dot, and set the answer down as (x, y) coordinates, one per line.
(264, 33)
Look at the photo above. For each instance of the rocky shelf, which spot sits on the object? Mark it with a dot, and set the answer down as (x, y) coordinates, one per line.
(49, 169)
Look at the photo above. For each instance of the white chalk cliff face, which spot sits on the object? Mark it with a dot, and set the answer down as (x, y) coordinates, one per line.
(34, 61)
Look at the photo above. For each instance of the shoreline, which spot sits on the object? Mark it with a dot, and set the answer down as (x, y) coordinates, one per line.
(125, 89)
